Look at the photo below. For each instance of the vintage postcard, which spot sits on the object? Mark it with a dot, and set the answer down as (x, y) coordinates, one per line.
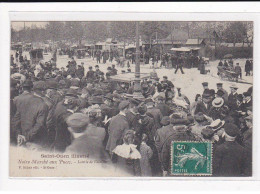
(131, 98)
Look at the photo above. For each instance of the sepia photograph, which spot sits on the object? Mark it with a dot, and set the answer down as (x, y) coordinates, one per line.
(131, 98)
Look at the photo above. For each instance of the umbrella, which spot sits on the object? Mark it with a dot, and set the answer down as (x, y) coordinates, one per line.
(227, 56)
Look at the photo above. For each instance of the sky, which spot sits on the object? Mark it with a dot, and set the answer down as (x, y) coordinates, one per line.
(20, 25)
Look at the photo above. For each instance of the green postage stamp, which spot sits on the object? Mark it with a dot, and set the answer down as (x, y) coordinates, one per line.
(191, 158)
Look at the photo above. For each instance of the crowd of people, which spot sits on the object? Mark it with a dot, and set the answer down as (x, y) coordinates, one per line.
(156, 59)
(74, 110)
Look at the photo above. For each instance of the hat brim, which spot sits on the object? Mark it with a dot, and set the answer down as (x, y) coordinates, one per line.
(221, 124)
(217, 105)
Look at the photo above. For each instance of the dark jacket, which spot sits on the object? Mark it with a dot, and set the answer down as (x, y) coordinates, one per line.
(50, 122)
(164, 108)
(202, 108)
(232, 101)
(230, 159)
(90, 75)
(117, 127)
(164, 138)
(80, 72)
(247, 66)
(156, 114)
(63, 136)
(30, 119)
(219, 113)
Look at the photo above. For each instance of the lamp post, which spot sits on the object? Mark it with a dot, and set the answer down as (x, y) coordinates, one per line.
(137, 87)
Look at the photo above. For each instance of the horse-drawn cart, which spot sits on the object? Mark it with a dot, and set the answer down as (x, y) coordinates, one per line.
(227, 74)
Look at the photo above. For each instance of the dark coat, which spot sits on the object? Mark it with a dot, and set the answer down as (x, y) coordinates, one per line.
(156, 114)
(164, 138)
(90, 75)
(80, 72)
(202, 108)
(63, 136)
(132, 119)
(148, 127)
(238, 69)
(116, 129)
(50, 122)
(108, 111)
(219, 113)
(232, 101)
(146, 154)
(230, 159)
(225, 95)
(30, 119)
(164, 108)
(247, 66)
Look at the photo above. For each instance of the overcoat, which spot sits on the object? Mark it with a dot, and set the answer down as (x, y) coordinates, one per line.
(116, 129)
(30, 119)
(146, 154)
(202, 108)
(157, 116)
(230, 159)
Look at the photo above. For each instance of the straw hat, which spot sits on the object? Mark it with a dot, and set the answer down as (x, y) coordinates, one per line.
(218, 102)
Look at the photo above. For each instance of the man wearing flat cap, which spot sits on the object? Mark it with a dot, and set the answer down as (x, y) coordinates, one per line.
(117, 127)
(84, 142)
(30, 118)
(230, 158)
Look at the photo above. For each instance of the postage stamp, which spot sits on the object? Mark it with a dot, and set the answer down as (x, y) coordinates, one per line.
(191, 158)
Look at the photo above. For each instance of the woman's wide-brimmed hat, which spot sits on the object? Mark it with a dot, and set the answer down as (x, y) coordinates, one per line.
(218, 102)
